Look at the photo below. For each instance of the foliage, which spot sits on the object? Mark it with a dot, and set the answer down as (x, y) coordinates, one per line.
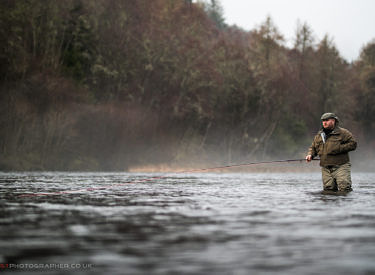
(366, 95)
(106, 84)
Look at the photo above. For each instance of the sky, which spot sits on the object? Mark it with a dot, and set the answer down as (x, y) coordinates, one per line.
(350, 23)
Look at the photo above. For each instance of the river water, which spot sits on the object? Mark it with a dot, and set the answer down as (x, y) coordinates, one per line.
(129, 223)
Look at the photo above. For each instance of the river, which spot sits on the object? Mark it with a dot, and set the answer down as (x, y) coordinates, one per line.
(208, 223)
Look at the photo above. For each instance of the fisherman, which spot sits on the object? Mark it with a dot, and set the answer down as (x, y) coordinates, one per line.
(332, 144)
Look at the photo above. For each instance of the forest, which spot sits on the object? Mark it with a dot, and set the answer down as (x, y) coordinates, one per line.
(107, 85)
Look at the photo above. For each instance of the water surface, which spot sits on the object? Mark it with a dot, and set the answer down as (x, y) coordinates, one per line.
(185, 224)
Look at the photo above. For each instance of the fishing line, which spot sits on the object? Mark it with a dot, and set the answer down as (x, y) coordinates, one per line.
(162, 177)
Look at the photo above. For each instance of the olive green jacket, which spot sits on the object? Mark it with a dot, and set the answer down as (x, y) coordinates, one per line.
(334, 150)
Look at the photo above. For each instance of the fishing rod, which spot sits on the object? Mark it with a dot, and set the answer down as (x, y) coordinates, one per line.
(243, 165)
(164, 176)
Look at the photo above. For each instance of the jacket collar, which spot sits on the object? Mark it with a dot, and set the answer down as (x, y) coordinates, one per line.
(335, 131)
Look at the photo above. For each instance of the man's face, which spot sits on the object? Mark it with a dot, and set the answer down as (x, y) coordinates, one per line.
(329, 123)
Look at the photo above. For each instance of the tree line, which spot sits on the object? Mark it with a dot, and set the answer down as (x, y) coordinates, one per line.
(110, 84)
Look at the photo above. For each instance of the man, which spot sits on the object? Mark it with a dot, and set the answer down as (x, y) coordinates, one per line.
(332, 144)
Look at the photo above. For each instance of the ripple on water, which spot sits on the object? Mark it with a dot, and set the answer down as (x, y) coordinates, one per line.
(193, 224)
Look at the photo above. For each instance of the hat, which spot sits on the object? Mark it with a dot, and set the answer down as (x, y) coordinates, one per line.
(328, 116)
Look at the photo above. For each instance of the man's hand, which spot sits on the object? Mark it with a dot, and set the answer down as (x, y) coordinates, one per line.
(308, 158)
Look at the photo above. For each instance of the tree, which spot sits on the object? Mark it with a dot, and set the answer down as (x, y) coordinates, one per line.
(366, 95)
(331, 72)
(267, 40)
(215, 12)
(303, 43)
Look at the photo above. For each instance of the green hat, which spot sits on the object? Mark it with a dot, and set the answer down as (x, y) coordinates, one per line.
(328, 116)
